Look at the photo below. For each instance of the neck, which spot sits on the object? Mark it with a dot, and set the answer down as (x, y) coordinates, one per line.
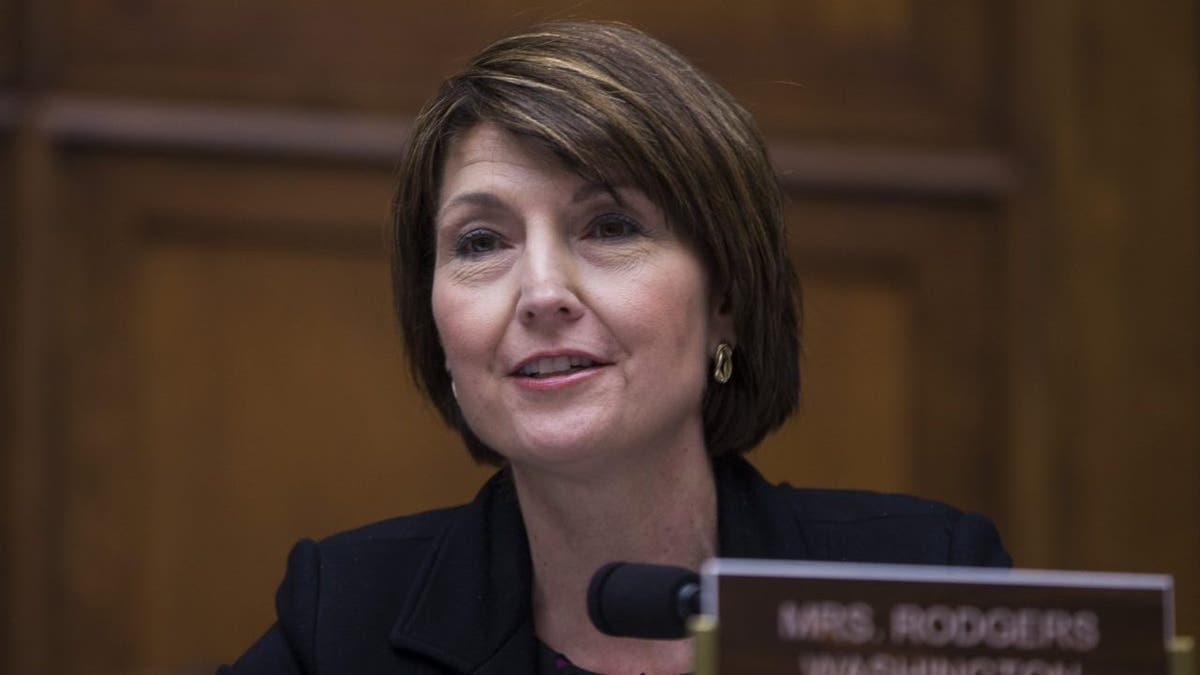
(659, 507)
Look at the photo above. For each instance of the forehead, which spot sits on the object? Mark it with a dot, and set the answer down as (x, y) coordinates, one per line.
(488, 150)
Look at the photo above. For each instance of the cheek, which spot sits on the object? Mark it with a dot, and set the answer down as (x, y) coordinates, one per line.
(469, 322)
(672, 316)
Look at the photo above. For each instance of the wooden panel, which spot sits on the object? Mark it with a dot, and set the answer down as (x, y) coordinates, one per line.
(26, 475)
(858, 330)
(898, 71)
(1115, 198)
(8, 326)
(275, 406)
(234, 383)
(904, 352)
(9, 42)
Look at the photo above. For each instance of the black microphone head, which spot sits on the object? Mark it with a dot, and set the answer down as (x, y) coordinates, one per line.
(642, 600)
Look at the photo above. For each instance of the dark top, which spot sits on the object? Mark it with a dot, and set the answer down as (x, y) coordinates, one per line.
(448, 591)
(551, 662)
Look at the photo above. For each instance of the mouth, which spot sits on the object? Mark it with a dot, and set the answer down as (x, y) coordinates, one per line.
(551, 366)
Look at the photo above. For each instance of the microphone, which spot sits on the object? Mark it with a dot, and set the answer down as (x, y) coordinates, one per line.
(640, 600)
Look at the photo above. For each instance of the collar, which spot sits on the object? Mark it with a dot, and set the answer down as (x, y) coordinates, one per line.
(755, 519)
(473, 612)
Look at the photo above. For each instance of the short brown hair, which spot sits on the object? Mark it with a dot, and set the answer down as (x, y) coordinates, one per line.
(620, 107)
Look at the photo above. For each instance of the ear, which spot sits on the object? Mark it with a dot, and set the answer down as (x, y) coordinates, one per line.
(720, 324)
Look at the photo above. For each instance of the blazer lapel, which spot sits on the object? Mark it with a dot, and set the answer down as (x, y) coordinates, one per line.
(472, 614)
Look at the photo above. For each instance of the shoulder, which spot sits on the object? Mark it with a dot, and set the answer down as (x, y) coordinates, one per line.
(411, 528)
(762, 520)
(340, 595)
(863, 526)
(365, 559)
(375, 563)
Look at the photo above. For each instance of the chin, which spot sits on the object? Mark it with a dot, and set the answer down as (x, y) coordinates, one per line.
(560, 450)
(558, 434)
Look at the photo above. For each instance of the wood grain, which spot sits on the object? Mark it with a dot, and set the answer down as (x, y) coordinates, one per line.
(919, 358)
(1113, 158)
(238, 466)
(9, 42)
(31, 509)
(858, 328)
(278, 132)
(8, 326)
(248, 384)
(907, 71)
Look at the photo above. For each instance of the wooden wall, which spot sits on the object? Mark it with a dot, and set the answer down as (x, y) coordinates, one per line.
(1107, 132)
(992, 207)
(8, 245)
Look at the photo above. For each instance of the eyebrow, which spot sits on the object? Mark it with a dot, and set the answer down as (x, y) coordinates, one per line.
(485, 200)
(488, 200)
(588, 190)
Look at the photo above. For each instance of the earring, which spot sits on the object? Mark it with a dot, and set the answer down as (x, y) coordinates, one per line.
(454, 390)
(723, 367)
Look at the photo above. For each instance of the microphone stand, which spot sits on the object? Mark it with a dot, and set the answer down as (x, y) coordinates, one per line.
(703, 629)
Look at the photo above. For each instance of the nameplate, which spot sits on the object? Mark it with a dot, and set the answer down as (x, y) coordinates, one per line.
(859, 619)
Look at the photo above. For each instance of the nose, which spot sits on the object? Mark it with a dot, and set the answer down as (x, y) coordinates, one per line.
(548, 293)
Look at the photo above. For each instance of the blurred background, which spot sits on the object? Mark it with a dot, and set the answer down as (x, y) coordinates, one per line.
(992, 205)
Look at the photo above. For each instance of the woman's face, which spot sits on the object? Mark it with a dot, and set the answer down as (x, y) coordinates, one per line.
(576, 325)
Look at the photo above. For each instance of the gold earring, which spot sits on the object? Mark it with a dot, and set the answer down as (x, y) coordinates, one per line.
(723, 358)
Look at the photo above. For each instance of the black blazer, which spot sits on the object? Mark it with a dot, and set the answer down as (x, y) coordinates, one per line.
(448, 591)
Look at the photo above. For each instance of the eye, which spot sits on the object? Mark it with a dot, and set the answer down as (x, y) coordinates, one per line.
(477, 243)
(613, 226)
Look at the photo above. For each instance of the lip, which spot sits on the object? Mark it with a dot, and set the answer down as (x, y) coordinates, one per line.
(553, 354)
(560, 381)
(557, 382)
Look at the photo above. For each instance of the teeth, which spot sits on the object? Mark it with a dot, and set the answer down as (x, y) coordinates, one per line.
(554, 365)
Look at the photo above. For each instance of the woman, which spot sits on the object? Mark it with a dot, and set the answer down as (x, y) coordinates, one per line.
(591, 275)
